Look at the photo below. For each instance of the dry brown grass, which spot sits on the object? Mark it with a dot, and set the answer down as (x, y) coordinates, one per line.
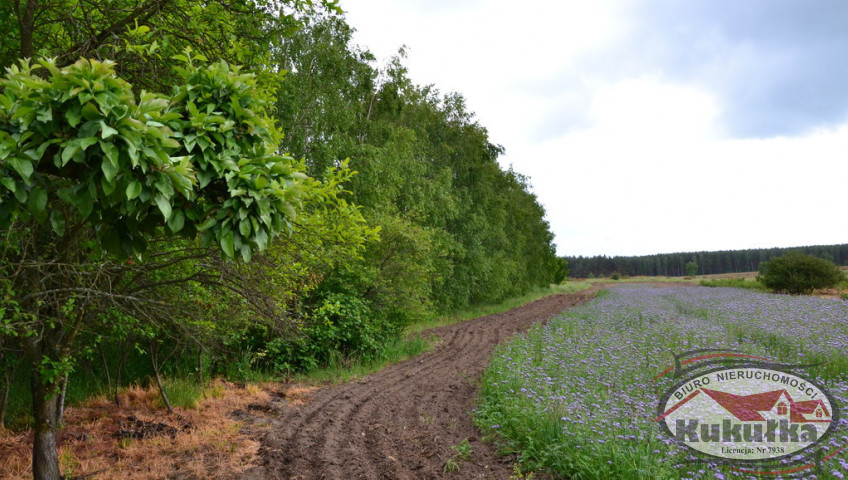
(299, 394)
(207, 444)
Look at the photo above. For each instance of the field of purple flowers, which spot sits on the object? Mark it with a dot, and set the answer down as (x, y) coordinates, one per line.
(576, 396)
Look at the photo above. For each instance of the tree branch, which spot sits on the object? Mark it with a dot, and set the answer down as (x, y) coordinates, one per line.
(141, 13)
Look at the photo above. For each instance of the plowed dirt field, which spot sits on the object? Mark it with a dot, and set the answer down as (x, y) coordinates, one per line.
(401, 422)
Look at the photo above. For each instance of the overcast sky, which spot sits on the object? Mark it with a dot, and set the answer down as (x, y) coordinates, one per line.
(648, 126)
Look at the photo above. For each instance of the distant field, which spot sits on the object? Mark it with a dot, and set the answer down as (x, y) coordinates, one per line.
(576, 397)
(728, 275)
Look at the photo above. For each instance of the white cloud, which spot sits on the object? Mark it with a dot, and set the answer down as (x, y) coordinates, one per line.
(625, 122)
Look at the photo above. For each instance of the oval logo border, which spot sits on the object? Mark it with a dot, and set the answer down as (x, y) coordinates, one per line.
(694, 374)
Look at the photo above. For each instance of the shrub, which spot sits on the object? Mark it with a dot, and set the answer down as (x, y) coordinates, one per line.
(798, 273)
(615, 276)
(691, 269)
(340, 327)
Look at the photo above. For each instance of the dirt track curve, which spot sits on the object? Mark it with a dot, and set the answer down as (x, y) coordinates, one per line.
(400, 422)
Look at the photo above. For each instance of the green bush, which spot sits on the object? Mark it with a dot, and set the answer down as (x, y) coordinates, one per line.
(340, 327)
(691, 269)
(798, 273)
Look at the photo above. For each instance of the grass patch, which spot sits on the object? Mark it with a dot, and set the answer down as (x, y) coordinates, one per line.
(345, 369)
(491, 309)
(184, 392)
(751, 283)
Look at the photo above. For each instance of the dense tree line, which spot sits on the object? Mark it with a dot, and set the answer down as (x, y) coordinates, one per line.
(427, 176)
(170, 212)
(707, 263)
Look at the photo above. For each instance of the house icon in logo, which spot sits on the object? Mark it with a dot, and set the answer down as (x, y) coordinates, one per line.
(774, 405)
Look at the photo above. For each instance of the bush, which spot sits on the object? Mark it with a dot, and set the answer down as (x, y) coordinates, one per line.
(798, 273)
(615, 276)
(340, 327)
(691, 269)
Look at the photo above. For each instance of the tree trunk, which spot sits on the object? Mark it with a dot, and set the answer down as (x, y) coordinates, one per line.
(154, 359)
(45, 402)
(4, 394)
(26, 22)
(60, 408)
(162, 392)
(118, 370)
(105, 368)
(200, 365)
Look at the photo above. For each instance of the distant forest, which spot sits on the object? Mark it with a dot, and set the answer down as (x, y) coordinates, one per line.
(674, 264)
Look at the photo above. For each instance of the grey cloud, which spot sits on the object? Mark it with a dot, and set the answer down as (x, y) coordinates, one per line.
(777, 66)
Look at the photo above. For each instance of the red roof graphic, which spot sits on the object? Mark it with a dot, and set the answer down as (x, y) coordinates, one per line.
(747, 408)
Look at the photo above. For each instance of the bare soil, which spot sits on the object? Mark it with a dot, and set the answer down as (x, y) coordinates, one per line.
(398, 423)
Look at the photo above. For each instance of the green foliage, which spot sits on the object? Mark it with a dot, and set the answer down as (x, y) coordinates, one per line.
(691, 269)
(344, 369)
(184, 392)
(340, 325)
(463, 450)
(130, 205)
(615, 276)
(92, 176)
(248, 194)
(455, 228)
(77, 147)
(798, 273)
(734, 282)
(561, 271)
(144, 37)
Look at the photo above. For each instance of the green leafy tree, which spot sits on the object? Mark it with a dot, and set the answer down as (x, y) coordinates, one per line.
(455, 227)
(799, 273)
(92, 173)
(142, 36)
(691, 269)
(561, 271)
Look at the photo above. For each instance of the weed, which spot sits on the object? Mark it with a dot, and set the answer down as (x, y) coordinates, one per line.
(517, 474)
(463, 450)
(451, 466)
(69, 462)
